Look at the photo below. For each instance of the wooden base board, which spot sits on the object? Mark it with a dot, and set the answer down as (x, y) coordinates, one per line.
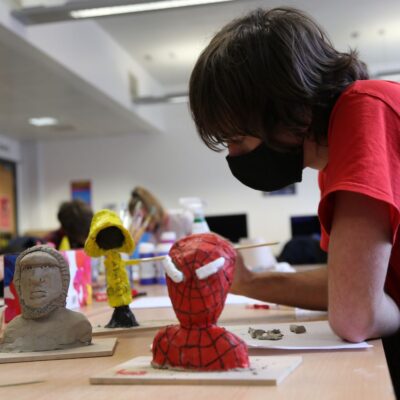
(98, 348)
(138, 371)
(20, 383)
(143, 327)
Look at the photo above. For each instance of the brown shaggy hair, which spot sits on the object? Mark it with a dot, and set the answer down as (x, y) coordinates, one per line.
(267, 71)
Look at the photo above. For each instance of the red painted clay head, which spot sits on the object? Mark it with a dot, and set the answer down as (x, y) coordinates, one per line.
(199, 276)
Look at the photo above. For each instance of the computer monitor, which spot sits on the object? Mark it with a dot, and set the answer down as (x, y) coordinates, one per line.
(305, 225)
(230, 226)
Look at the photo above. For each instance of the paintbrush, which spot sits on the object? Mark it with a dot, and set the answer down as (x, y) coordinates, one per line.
(137, 217)
(252, 246)
(137, 234)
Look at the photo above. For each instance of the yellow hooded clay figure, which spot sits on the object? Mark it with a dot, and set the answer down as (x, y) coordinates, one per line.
(109, 238)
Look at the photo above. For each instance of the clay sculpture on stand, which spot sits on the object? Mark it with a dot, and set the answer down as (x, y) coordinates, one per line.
(199, 272)
(108, 238)
(41, 279)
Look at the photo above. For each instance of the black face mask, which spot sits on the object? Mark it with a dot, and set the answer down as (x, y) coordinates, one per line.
(266, 169)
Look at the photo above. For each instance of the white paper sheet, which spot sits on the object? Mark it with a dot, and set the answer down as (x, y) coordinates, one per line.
(164, 301)
(303, 313)
(151, 302)
(318, 336)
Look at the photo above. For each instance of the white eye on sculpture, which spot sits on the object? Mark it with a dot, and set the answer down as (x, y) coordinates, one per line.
(211, 268)
(171, 270)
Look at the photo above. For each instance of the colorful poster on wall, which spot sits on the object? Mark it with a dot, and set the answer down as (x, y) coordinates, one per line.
(5, 213)
(82, 190)
(8, 216)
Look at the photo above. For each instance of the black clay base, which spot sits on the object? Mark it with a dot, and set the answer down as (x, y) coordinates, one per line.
(122, 318)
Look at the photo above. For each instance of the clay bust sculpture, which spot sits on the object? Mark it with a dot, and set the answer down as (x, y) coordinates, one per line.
(41, 278)
(109, 238)
(199, 274)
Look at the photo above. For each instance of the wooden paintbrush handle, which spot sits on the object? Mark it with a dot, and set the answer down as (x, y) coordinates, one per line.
(252, 246)
(238, 247)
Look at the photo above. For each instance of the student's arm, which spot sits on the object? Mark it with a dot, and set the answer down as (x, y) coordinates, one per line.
(359, 252)
(307, 289)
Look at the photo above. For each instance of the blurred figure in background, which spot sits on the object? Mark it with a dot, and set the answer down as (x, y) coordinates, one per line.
(149, 219)
(75, 217)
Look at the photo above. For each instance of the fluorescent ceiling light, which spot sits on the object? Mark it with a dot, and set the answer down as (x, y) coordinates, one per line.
(168, 98)
(139, 7)
(43, 121)
(178, 99)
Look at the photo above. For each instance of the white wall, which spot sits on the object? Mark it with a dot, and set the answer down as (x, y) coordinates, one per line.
(9, 149)
(84, 48)
(172, 165)
(89, 52)
(29, 197)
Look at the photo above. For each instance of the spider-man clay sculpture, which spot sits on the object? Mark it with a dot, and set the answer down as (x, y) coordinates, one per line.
(199, 272)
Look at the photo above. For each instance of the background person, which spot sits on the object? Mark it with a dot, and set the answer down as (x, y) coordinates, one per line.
(75, 217)
(150, 218)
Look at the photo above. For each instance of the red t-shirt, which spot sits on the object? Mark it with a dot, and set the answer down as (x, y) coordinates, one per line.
(364, 157)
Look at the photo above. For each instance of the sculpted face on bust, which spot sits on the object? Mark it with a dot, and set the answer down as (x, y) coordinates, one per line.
(41, 281)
